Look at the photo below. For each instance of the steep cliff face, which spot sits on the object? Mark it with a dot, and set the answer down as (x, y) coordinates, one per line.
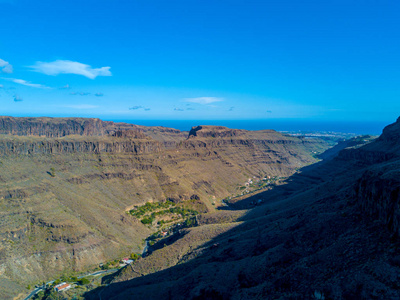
(385, 148)
(51, 127)
(60, 127)
(34, 146)
(377, 193)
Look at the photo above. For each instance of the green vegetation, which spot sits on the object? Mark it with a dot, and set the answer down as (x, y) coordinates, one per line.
(110, 264)
(148, 207)
(105, 266)
(147, 220)
(49, 294)
(83, 281)
(58, 281)
(52, 172)
(150, 211)
(135, 256)
(190, 222)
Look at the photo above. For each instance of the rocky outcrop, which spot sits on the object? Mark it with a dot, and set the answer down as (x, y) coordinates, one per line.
(391, 133)
(134, 134)
(218, 136)
(214, 131)
(377, 193)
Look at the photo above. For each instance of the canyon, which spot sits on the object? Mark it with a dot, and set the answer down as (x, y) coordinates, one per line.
(330, 232)
(66, 185)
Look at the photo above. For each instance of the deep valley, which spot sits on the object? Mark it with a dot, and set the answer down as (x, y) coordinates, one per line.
(67, 187)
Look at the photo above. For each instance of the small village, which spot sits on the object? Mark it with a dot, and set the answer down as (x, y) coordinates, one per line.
(75, 286)
(166, 217)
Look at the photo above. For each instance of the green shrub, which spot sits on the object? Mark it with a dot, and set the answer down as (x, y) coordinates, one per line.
(83, 281)
(135, 256)
(147, 220)
(58, 281)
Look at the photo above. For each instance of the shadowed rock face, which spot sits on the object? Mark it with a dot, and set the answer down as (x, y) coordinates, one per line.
(391, 133)
(378, 194)
(332, 232)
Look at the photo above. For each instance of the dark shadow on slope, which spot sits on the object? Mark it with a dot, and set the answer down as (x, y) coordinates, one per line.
(107, 279)
(167, 241)
(305, 178)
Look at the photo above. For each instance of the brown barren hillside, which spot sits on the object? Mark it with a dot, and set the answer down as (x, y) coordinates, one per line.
(66, 185)
(331, 232)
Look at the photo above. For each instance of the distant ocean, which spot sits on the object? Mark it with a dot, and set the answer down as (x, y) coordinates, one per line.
(372, 127)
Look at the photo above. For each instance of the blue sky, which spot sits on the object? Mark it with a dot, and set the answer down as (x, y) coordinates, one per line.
(203, 60)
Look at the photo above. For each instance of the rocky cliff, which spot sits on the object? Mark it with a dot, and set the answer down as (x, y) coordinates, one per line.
(54, 127)
(377, 193)
(60, 127)
(214, 131)
(36, 146)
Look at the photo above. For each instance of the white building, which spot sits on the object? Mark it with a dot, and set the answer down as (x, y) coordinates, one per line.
(62, 287)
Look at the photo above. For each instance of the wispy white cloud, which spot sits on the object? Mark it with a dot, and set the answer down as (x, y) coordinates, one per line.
(204, 100)
(135, 107)
(17, 98)
(81, 106)
(80, 93)
(178, 109)
(70, 67)
(26, 83)
(5, 66)
(65, 87)
(139, 107)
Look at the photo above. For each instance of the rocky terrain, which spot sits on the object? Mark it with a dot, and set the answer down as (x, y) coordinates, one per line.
(67, 184)
(330, 232)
